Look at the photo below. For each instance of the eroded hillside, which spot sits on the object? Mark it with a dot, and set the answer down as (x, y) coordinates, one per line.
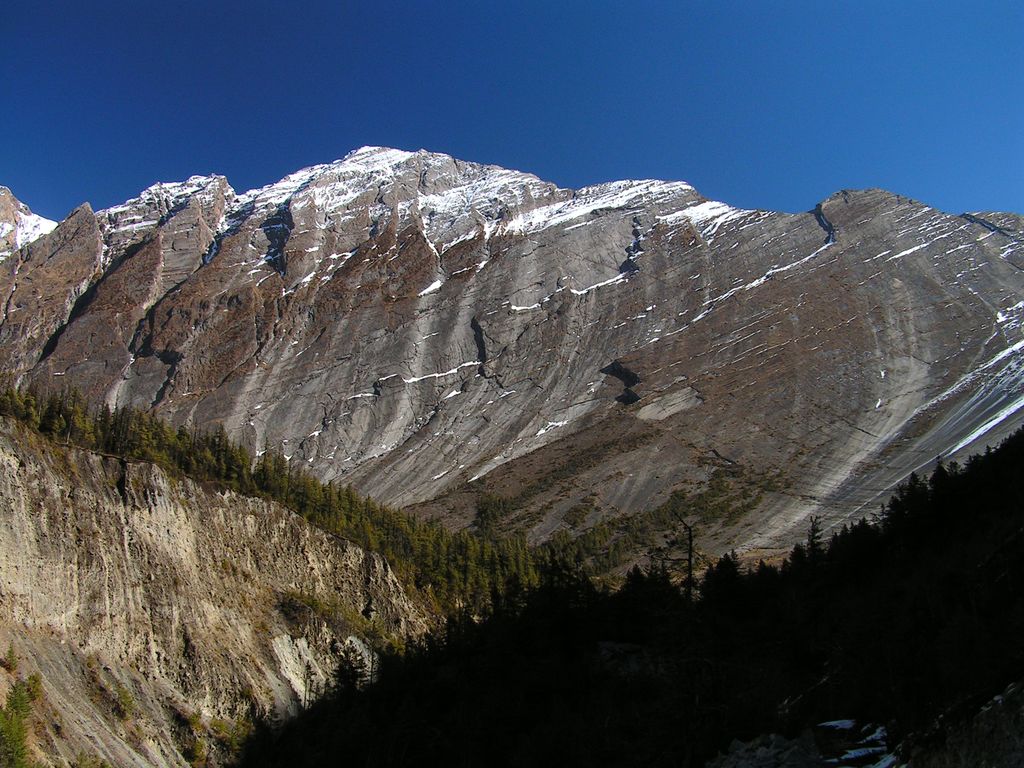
(161, 615)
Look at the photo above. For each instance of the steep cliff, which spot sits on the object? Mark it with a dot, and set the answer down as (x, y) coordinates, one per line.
(160, 614)
(429, 329)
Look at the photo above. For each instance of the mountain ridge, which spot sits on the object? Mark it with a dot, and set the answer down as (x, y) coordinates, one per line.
(193, 184)
(421, 326)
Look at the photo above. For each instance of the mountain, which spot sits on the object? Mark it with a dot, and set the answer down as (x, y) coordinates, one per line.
(161, 615)
(602, 359)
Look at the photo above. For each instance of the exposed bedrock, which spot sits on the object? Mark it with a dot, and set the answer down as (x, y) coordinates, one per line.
(152, 607)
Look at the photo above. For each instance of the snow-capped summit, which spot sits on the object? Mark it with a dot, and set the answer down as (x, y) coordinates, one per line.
(18, 225)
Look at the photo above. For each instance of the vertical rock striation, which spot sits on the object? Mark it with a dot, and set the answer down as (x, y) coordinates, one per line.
(119, 583)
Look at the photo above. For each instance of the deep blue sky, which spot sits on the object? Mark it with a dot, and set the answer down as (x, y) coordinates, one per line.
(760, 104)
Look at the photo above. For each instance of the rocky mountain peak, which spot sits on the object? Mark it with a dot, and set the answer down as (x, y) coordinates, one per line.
(18, 225)
(122, 224)
(432, 191)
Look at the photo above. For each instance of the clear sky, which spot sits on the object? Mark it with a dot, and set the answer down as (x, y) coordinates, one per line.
(760, 104)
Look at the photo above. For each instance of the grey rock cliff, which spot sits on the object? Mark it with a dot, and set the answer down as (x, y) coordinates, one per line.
(426, 328)
(117, 578)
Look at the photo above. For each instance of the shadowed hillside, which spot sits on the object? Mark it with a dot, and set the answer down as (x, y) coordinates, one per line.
(893, 621)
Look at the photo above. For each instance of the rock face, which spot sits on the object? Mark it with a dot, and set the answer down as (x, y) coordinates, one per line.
(152, 608)
(426, 328)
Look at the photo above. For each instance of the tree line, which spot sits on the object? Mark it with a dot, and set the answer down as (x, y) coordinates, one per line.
(896, 620)
(452, 570)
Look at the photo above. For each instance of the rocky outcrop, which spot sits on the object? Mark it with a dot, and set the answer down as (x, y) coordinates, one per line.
(427, 328)
(199, 608)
